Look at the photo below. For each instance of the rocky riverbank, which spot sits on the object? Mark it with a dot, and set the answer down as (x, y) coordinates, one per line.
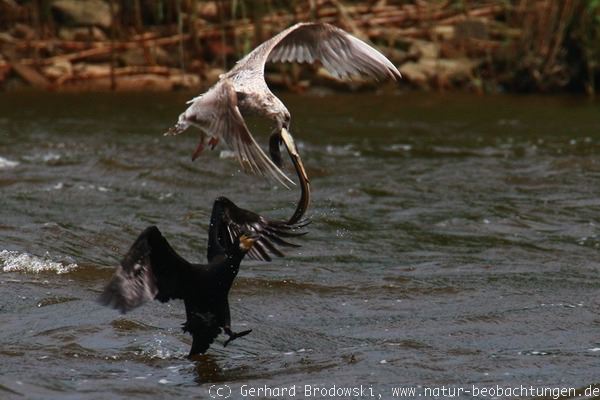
(482, 46)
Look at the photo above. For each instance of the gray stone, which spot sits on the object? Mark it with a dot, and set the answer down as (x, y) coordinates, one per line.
(82, 34)
(87, 70)
(444, 32)
(425, 49)
(6, 37)
(59, 69)
(213, 74)
(23, 31)
(185, 81)
(472, 29)
(208, 10)
(414, 73)
(82, 12)
(442, 70)
(137, 56)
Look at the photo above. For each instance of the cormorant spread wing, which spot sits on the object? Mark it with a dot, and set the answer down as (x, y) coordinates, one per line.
(268, 234)
(150, 269)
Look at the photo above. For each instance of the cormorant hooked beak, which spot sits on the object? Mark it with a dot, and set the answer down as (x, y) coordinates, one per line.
(288, 140)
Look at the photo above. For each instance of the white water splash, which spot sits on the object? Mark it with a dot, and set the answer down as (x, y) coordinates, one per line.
(594, 349)
(46, 158)
(13, 261)
(226, 154)
(345, 150)
(6, 163)
(160, 347)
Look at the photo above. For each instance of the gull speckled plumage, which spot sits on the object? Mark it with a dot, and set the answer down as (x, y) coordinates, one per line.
(218, 112)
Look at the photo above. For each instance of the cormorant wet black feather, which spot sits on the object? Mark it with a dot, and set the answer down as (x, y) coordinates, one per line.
(151, 269)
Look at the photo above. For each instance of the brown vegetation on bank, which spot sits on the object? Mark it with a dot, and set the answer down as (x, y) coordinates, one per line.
(478, 45)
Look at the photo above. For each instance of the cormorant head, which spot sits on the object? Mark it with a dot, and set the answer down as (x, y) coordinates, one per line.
(246, 241)
(240, 247)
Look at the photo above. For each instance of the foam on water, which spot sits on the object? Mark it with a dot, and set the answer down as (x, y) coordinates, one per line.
(160, 347)
(47, 157)
(226, 154)
(14, 261)
(7, 164)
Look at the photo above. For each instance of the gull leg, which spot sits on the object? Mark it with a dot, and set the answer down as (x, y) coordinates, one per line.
(200, 147)
(198, 150)
(213, 142)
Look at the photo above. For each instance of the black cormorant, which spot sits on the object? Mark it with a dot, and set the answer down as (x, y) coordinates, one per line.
(151, 269)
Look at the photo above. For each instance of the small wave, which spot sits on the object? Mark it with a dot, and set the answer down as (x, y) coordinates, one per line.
(226, 154)
(401, 147)
(345, 150)
(46, 158)
(161, 347)
(57, 186)
(594, 349)
(6, 163)
(93, 187)
(13, 261)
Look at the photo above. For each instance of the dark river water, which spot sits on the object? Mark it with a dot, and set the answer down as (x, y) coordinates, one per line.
(454, 244)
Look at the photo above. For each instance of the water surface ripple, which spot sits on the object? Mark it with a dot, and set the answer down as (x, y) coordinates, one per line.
(454, 242)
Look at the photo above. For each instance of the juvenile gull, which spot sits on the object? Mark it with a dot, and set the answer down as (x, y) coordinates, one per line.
(218, 112)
